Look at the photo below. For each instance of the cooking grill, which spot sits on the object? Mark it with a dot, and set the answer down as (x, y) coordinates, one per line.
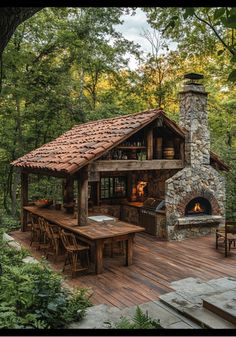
(153, 205)
(149, 214)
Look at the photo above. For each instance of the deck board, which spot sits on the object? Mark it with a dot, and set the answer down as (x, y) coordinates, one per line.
(155, 265)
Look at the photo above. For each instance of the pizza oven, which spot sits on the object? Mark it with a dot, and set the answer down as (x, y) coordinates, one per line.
(197, 207)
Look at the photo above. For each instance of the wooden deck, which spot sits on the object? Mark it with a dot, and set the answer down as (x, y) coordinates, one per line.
(155, 264)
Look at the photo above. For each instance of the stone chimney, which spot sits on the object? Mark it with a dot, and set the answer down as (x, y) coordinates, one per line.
(194, 119)
(198, 179)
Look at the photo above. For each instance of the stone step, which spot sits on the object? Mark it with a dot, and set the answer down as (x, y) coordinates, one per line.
(180, 309)
(102, 316)
(208, 319)
(156, 310)
(176, 313)
(224, 305)
(195, 311)
(96, 317)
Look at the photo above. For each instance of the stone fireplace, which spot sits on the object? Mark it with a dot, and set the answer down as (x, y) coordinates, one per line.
(195, 195)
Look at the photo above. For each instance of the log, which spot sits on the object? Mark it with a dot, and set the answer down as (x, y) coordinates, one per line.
(83, 197)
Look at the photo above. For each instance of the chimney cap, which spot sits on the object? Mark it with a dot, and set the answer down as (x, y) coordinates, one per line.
(193, 76)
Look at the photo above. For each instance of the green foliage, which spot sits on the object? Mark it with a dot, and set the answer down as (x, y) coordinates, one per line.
(140, 320)
(232, 75)
(7, 221)
(66, 66)
(198, 28)
(32, 296)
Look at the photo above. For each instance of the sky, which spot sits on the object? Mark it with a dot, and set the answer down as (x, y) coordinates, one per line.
(132, 28)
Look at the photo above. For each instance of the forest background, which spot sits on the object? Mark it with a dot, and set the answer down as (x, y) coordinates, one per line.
(66, 66)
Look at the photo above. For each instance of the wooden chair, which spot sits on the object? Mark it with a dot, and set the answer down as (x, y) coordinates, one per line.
(74, 252)
(226, 234)
(53, 234)
(35, 229)
(45, 236)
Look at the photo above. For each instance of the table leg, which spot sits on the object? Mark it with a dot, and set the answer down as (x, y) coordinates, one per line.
(129, 251)
(99, 257)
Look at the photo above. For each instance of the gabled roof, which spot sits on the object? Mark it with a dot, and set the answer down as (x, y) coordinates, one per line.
(86, 142)
(215, 160)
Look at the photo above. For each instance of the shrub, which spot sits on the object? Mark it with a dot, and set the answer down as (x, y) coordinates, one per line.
(32, 296)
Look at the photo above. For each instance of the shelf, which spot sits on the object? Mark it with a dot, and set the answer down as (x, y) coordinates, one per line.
(131, 147)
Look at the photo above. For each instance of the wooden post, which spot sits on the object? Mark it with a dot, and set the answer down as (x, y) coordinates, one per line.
(129, 250)
(159, 148)
(68, 190)
(97, 193)
(24, 200)
(99, 256)
(150, 144)
(83, 197)
(182, 152)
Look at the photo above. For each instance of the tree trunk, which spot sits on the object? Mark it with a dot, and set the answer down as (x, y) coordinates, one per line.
(10, 18)
(81, 94)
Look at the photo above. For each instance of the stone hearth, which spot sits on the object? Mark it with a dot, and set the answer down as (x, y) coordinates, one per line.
(200, 220)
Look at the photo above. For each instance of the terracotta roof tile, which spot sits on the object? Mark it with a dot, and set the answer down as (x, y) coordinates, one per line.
(85, 142)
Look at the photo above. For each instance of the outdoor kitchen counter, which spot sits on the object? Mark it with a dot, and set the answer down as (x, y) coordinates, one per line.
(94, 232)
(130, 212)
(137, 204)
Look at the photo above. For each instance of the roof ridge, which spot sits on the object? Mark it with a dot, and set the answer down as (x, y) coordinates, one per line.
(117, 117)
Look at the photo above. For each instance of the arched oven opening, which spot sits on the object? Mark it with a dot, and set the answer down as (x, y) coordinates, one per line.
(198, 206)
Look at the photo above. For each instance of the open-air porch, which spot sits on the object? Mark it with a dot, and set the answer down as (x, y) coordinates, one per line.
(146, 173)
(155, 265)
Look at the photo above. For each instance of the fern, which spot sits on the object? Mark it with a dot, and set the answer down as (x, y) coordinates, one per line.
(140, 320)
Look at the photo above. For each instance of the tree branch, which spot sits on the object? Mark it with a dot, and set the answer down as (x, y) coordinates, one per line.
(232, 51)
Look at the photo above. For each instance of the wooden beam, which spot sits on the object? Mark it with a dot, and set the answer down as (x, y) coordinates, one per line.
(150, 144)
(83, 197)
(24, 200)
(135, 165)
(44, 172)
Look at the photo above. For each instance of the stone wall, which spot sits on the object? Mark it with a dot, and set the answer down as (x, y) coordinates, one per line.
(130, 214)
(113, 210)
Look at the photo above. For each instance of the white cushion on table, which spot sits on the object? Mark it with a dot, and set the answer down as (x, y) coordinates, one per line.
(101, 218)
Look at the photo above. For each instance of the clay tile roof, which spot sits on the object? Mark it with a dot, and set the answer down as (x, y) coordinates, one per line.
(85, 142)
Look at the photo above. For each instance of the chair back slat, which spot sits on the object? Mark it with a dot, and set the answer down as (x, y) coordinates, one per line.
(230, 227)
(68, 240)
(34, 221)
(64, 239)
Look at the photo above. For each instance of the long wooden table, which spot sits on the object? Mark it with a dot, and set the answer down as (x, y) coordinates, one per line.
(93, 233)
